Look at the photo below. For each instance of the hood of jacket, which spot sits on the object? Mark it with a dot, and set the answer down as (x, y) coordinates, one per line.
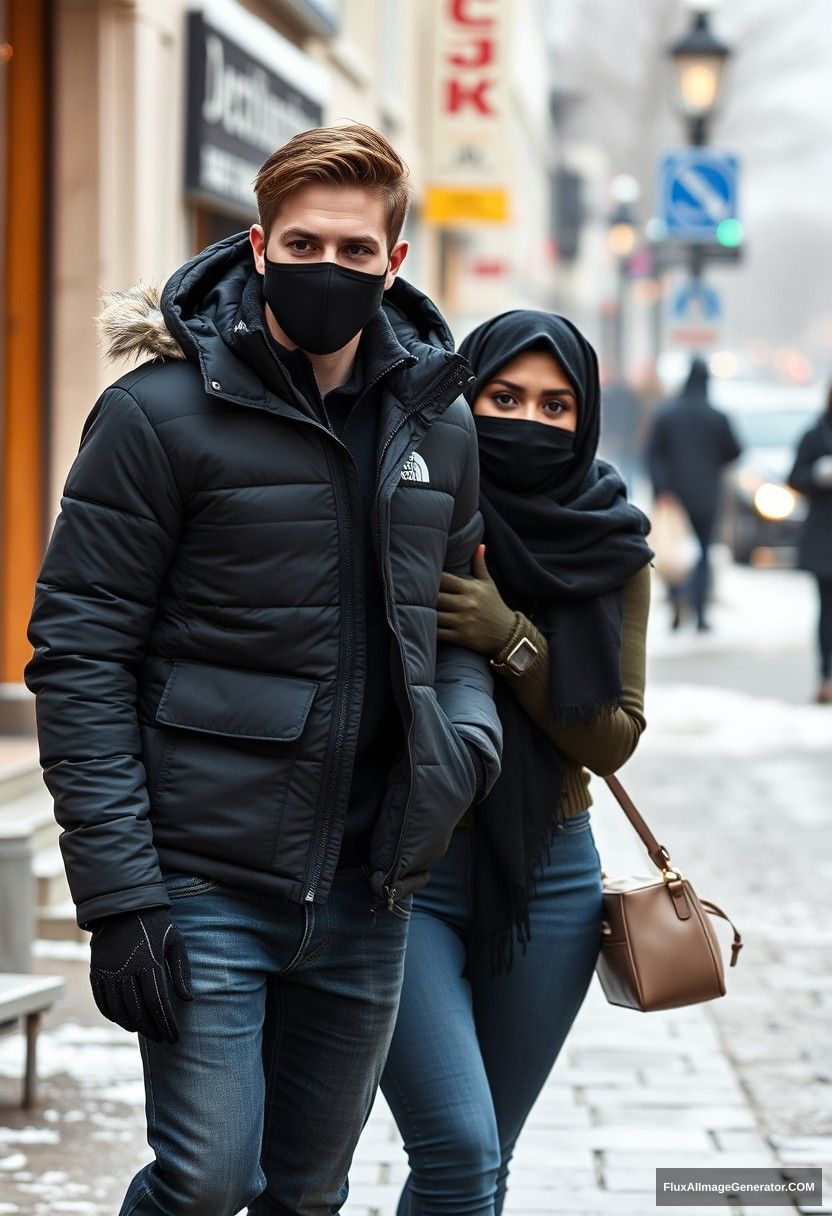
(194, 316)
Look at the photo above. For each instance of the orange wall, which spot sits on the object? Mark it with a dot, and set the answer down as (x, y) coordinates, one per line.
(22, 390)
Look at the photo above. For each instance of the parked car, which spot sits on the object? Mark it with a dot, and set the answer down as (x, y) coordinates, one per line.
(762, 515)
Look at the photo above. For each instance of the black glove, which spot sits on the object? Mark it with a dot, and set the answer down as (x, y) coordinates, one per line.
(133, 956)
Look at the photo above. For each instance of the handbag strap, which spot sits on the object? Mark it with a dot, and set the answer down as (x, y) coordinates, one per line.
(657, 852)
(661, 858)
(736, 945)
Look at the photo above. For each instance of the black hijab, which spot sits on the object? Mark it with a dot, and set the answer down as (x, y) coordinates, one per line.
(560, 553)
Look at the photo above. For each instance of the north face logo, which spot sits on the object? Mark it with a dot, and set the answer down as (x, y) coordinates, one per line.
(415, 469)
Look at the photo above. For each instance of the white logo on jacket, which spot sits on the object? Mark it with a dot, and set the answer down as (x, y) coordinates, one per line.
(415, 468)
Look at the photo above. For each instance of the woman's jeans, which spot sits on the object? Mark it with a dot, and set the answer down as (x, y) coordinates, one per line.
(282, 1045)
(468, 1061)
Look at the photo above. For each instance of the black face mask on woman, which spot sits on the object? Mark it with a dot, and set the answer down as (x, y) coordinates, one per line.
(321, 305)
(521, 455)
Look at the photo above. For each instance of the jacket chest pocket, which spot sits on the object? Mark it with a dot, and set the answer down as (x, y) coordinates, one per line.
(231, 738)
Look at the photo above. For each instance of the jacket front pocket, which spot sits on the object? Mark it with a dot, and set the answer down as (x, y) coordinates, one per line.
(231, 739)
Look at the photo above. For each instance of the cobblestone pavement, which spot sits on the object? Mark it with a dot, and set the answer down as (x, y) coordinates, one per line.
(738, 785)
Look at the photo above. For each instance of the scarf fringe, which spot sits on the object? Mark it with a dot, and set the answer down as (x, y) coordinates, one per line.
(501, 943)
(567, 715)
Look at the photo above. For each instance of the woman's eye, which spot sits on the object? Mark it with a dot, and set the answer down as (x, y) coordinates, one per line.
(504, 399)
(555, 407)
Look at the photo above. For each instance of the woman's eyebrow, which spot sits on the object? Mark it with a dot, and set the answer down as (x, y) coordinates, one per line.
(518, 388)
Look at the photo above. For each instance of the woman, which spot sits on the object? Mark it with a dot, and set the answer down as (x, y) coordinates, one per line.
(560, 608)
(812, 476)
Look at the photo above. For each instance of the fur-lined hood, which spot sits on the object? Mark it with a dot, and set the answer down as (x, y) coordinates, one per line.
(130, 325)
(195, 315)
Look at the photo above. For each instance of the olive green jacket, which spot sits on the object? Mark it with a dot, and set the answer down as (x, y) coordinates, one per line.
(603, 745)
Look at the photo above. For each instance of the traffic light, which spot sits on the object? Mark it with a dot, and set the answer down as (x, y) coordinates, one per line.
(729, 233)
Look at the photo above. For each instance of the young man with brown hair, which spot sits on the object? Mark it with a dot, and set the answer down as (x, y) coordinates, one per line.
(255, 745)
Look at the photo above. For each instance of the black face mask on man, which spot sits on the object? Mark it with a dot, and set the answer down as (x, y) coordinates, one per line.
(321, 305)
(522, 455)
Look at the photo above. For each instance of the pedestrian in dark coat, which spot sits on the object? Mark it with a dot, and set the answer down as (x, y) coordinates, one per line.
(256, 747)
(689, 445)
(812, 476)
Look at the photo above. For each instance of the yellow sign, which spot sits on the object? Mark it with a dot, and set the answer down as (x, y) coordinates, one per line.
(466, 205)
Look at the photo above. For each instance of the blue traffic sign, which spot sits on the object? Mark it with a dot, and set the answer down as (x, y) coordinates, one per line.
(697, 192)
(695, 301)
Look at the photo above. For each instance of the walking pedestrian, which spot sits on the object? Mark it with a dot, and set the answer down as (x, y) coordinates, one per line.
(689, 446)
(812, 476)
(256, 748)
(504, 938)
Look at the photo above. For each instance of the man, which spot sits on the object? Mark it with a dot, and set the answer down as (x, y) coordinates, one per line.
(256, 747)
(689, 446)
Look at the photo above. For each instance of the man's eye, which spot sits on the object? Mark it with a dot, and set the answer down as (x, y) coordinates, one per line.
(356, 250)
(300, 246)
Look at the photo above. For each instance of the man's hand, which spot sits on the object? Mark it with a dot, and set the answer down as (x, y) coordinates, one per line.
(471, 612)
(135, 957)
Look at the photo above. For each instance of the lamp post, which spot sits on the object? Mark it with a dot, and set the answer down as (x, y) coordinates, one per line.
(699, 60)
(622, 236)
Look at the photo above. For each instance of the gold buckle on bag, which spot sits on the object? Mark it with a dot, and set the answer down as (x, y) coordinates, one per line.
(669, 871)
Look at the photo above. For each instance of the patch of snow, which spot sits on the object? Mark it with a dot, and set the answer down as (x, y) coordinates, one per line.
(14, 1162)
(762, 610)
(27, 1135)
(692, 720)
(95, 1057)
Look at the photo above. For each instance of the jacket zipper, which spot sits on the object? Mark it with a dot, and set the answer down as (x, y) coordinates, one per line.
(456, 375)
(344, 688)
(388, 891)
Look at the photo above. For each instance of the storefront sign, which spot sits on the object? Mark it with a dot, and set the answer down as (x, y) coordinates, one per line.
(467, 179)
(249, 91)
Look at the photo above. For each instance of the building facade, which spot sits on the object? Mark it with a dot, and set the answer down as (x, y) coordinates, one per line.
(130, 132)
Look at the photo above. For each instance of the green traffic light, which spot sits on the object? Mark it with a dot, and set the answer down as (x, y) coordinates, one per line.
(730, 233)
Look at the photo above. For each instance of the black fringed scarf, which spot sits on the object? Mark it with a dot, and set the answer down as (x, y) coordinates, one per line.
(561, 555)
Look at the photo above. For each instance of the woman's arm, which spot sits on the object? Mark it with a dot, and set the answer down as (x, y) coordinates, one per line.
(606, 743)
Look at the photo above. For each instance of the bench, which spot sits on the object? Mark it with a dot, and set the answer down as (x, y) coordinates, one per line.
(28, 997)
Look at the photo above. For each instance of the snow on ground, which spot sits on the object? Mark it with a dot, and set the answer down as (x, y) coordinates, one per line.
(692, 719)
(103, 1059)
(762, 610)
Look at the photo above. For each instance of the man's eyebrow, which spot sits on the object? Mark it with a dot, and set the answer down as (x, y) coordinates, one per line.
(304, 234)
(518, 388)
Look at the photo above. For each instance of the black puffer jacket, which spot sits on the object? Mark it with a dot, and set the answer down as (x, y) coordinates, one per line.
(198, 655)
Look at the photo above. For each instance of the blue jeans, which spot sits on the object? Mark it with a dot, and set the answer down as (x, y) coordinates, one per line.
(279, 1055)
(467, 1060)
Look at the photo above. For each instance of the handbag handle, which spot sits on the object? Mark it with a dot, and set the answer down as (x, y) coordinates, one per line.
(661, 858)
(657, 852)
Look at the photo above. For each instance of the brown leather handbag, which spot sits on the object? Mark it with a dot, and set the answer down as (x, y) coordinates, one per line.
(658, 947)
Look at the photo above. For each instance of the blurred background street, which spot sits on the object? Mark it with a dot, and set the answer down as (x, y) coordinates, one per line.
(659, 172)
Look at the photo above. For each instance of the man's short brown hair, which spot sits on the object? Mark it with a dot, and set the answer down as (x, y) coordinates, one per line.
(353, 155)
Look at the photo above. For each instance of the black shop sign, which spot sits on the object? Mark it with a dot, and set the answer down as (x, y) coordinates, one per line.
(239, 110)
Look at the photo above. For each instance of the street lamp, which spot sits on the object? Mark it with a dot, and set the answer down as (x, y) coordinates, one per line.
(622, 237)
(699, 60)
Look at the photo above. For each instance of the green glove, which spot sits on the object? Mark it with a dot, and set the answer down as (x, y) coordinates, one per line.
(471, 612)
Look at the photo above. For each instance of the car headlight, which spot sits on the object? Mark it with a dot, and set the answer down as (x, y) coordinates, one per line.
(773, 501)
